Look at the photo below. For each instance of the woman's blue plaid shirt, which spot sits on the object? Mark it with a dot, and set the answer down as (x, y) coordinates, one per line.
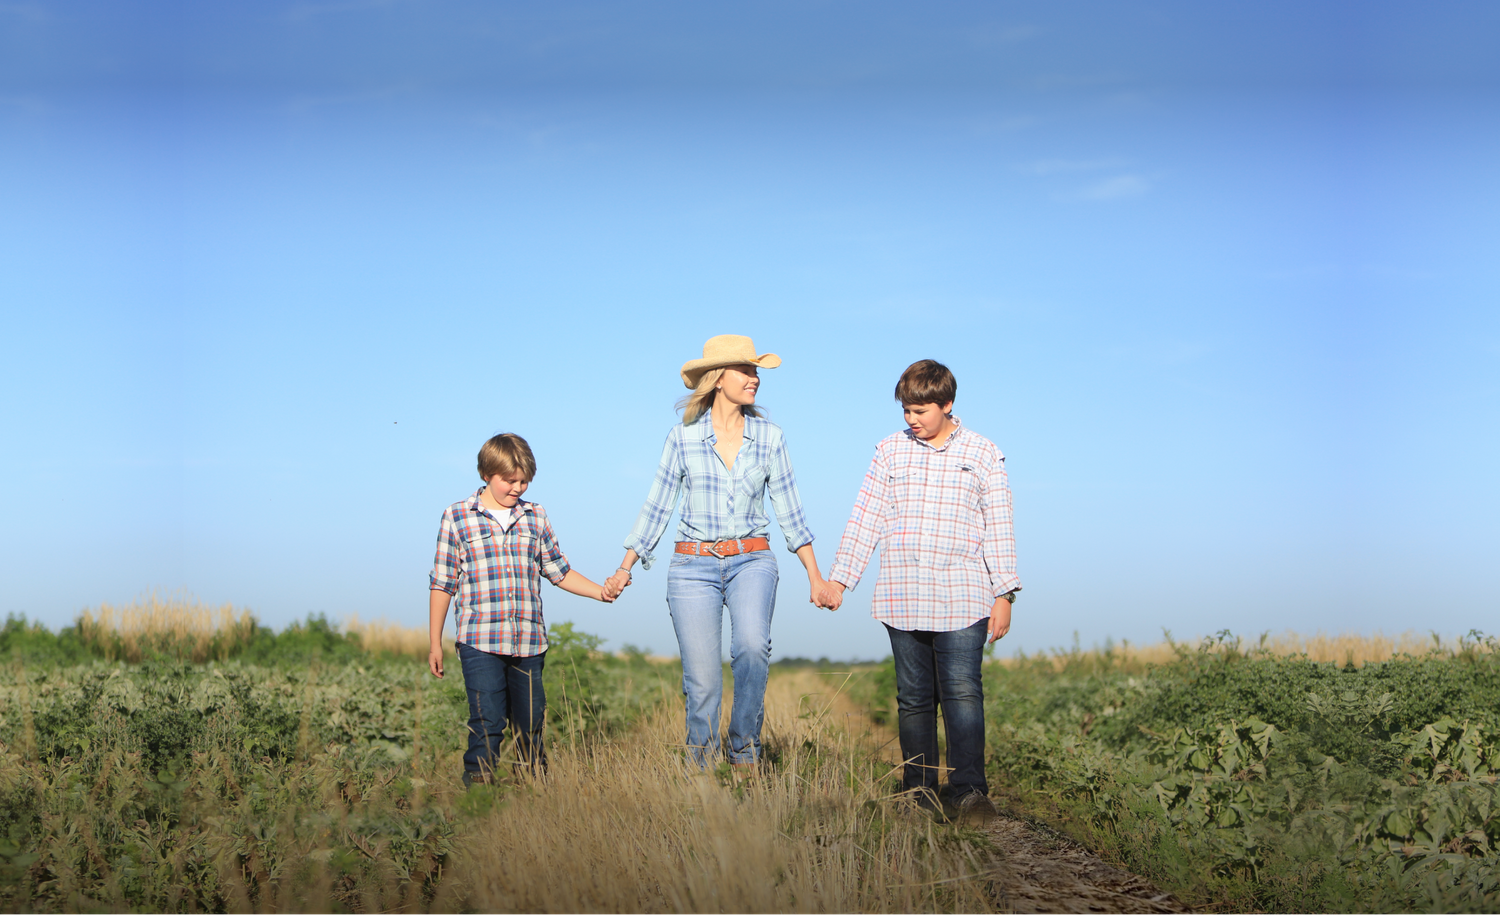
(721, 505)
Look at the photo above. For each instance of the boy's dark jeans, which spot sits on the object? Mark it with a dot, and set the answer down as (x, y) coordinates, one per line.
(932, 668)
(503, 688)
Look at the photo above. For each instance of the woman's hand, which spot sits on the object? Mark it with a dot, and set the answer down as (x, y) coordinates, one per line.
(435, 661)
(819, 591)
(615, 584)
(619, 581)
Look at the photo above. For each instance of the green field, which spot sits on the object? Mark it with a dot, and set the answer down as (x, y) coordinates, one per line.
(167, 785)
(303, 770)
(1246, 781)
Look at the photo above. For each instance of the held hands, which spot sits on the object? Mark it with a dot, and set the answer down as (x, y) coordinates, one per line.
(615, 584)
(827, 594)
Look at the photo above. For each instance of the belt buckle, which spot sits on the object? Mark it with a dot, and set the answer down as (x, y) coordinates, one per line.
(713, 549)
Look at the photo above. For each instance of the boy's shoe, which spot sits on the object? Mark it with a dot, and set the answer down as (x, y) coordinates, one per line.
(477, 778)
(922, 799)
(974, 809)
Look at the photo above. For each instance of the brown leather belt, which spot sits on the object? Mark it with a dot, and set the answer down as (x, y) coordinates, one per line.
(724, 547)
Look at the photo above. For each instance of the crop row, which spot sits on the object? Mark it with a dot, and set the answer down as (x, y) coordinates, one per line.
(1248, 781)
(178, 787)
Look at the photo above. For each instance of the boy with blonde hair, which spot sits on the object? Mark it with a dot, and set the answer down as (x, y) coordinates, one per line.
(936, 503)
(492, 549)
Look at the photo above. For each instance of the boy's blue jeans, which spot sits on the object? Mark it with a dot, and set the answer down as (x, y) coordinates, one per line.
(698, 590)
(935, 668)
(503, 688)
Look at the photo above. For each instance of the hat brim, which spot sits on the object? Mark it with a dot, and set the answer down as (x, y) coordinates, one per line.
(692, 371)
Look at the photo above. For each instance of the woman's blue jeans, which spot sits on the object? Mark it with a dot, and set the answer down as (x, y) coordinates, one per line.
(503, 688)
(698, 590)
(941, 668)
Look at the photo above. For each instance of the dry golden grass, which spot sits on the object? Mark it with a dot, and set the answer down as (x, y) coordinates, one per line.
(382, 635)
(194, 631)
(626, 827)
(177, 626)
(1360, 649)
(1347, 648)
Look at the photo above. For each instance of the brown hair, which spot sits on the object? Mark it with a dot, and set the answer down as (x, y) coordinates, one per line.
(505, 454)
(702, 398)
(927, 381)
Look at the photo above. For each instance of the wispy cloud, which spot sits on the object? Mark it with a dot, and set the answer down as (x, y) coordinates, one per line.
(31, 12)
(308, 103)
(1397, 272)
(1330, 270)
(541, 133)
(1124, 183)
(1117, 188)
(993, 124)
(303, 11)
(1163, 350)
(999, 36)
(21, 101)
(1304, 272)
(1067, 166)
(1077, 80)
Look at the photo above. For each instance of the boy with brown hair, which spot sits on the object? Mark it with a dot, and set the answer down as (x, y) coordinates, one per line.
(936, 502)
(492, 549)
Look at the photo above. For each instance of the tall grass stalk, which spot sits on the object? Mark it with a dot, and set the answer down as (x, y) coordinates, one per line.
(178, 627)
(383, 636)
(625, 826)
(184, 629)
(378, 820)
(1347, 648)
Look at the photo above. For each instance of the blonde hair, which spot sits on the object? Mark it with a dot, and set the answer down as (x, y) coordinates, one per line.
(702, 399)
(505, 454)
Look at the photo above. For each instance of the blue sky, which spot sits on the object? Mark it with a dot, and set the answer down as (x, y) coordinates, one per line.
(1218, 278)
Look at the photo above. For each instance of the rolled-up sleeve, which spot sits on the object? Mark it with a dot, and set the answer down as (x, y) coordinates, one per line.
(661, 501)
(553, 563)
(781, 484)
(448, 565)
(999, 546)
(865, 528)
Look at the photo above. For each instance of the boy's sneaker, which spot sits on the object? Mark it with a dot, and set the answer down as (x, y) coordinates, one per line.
(477, 778)
(975, 809)
(923, 798)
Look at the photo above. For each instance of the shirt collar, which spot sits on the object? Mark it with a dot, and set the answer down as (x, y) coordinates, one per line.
(503, 517)
(958, 426)
(703, 426)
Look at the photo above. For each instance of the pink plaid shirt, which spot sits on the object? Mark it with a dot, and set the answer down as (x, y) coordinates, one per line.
(494, 562)
(941, 518)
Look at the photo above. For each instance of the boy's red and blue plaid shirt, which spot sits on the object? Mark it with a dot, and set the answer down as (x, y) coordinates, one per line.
(941, 518)
(493, 563)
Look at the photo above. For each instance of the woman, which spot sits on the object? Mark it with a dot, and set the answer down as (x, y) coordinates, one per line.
(726, 458)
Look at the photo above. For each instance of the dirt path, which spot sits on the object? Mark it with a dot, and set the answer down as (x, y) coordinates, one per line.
(1045, 872)
(1038, 870)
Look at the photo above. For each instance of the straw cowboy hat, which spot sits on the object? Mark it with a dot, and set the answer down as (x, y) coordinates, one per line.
(726, 349)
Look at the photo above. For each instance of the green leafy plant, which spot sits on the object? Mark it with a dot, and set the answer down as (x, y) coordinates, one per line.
(1252, 781)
